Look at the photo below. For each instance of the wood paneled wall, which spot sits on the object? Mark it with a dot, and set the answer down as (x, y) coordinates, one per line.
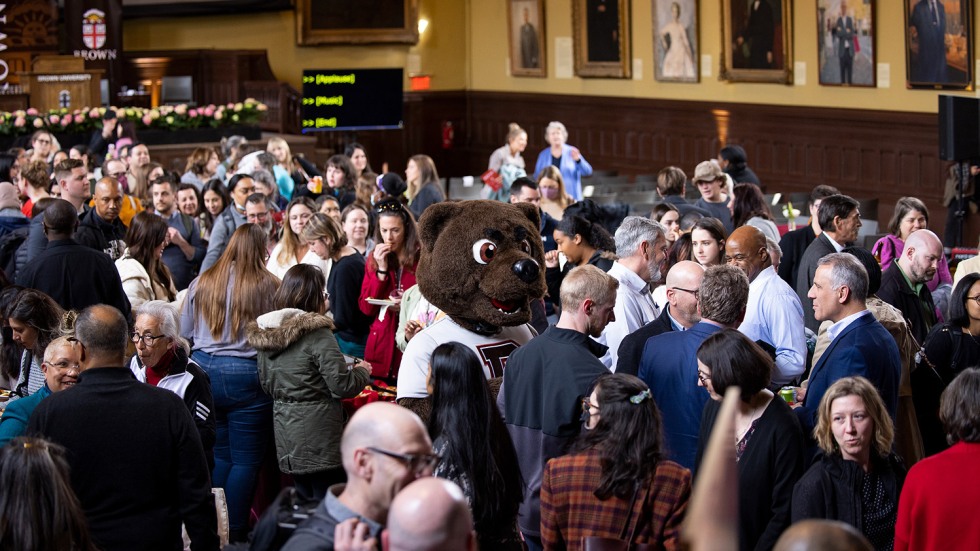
(866, 154)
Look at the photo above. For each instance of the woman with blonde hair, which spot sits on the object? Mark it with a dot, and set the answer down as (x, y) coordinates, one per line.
(554, 199)
(424, 186)
(292, 249)
(218, 306)
(202, 165)
(282, 169)
(507, 161)
(858, 479)
(144, 275)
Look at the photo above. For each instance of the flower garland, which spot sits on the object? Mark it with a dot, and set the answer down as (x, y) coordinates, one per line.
(165, 117)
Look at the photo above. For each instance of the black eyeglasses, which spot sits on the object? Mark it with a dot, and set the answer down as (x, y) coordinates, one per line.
(692, 291)
(975, 299)
(703, 378)
(418, 463)
(148, 340)
(588, 406)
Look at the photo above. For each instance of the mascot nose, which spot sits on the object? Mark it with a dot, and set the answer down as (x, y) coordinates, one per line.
(526, 269)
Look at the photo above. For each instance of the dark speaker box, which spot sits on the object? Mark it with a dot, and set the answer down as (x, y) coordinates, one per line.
(959, 128)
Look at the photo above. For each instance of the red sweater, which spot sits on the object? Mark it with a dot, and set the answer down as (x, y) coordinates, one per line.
(938, 506)
(381, 351)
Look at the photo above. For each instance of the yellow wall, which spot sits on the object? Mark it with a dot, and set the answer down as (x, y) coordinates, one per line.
(465, 47)
(441, 49)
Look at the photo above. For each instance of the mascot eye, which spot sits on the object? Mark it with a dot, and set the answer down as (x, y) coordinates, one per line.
(525, 246)
(484, 250)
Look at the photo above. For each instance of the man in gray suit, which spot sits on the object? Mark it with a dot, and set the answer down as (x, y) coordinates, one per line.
(840, 220)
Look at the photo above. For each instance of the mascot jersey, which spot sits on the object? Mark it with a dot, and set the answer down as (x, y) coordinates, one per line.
(492, 350)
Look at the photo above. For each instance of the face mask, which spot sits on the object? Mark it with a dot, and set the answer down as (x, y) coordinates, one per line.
(550, 193)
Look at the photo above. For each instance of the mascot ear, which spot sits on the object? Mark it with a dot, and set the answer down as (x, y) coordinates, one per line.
(433, 219)
(530, 211)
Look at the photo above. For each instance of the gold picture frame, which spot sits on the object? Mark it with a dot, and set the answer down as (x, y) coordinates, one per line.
(526, 33)
(321, 22)
(757, 43)
(602, 38)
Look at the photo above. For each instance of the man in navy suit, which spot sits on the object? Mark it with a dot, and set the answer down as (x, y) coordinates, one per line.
(669, 365)
(859, 344)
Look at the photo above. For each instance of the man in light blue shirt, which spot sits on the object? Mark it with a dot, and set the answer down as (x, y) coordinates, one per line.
(774, 314)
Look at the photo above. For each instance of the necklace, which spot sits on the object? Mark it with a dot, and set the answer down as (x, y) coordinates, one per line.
(971, 334)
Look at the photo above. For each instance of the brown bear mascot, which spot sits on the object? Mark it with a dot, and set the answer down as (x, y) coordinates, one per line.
(482, 264)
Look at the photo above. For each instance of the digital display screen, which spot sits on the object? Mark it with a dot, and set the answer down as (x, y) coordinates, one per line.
(351, 99)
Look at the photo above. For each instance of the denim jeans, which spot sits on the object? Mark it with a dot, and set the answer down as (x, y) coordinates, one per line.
(243, 412)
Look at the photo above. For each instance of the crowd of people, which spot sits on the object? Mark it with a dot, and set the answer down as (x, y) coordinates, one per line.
(172, 340)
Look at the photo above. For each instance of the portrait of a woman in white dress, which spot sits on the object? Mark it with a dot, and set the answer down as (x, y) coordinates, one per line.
(678, 54)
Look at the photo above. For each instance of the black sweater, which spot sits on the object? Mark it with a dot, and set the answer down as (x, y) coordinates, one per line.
(136, 461)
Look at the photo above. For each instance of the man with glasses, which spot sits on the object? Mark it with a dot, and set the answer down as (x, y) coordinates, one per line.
(258, 211)
(546, 378)
(384, 448)
(240, 186)
(681, 314)
(774, 315)
(186, 250)
(669, 364)
(137, 465)
(60, 367)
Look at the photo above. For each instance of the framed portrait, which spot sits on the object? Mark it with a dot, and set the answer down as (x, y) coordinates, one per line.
(675, 40)
(846, 42)
(939, 43)
(356, 22)
(527, 38)
(757, 41)
(602, 38)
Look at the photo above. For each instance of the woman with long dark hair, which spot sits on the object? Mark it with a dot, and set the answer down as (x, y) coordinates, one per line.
(389, 272)
(476, 450)
(328, 242)
(219, 304)
(304, 371)
(38, 508)
(144, 275)
(35, 321)
(358, 158)
(583, 240)
(768, 438)
(617, 479)
(748, 207)
(216, 200)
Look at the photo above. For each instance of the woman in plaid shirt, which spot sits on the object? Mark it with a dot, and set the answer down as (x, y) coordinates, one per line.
(616, 482)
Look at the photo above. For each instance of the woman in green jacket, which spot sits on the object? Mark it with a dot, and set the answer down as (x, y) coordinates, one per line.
(302, 368)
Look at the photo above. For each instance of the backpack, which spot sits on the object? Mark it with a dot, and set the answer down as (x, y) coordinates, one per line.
(280, 520)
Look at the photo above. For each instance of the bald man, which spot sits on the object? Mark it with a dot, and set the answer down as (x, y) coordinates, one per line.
(903, 283)
(822, 535)
(137, 464)
(774, 315)
(384, 448)
(680, 314)
(101, 228)
(430, 514)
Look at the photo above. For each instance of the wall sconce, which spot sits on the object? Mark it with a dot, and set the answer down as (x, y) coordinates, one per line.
(423, 24)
